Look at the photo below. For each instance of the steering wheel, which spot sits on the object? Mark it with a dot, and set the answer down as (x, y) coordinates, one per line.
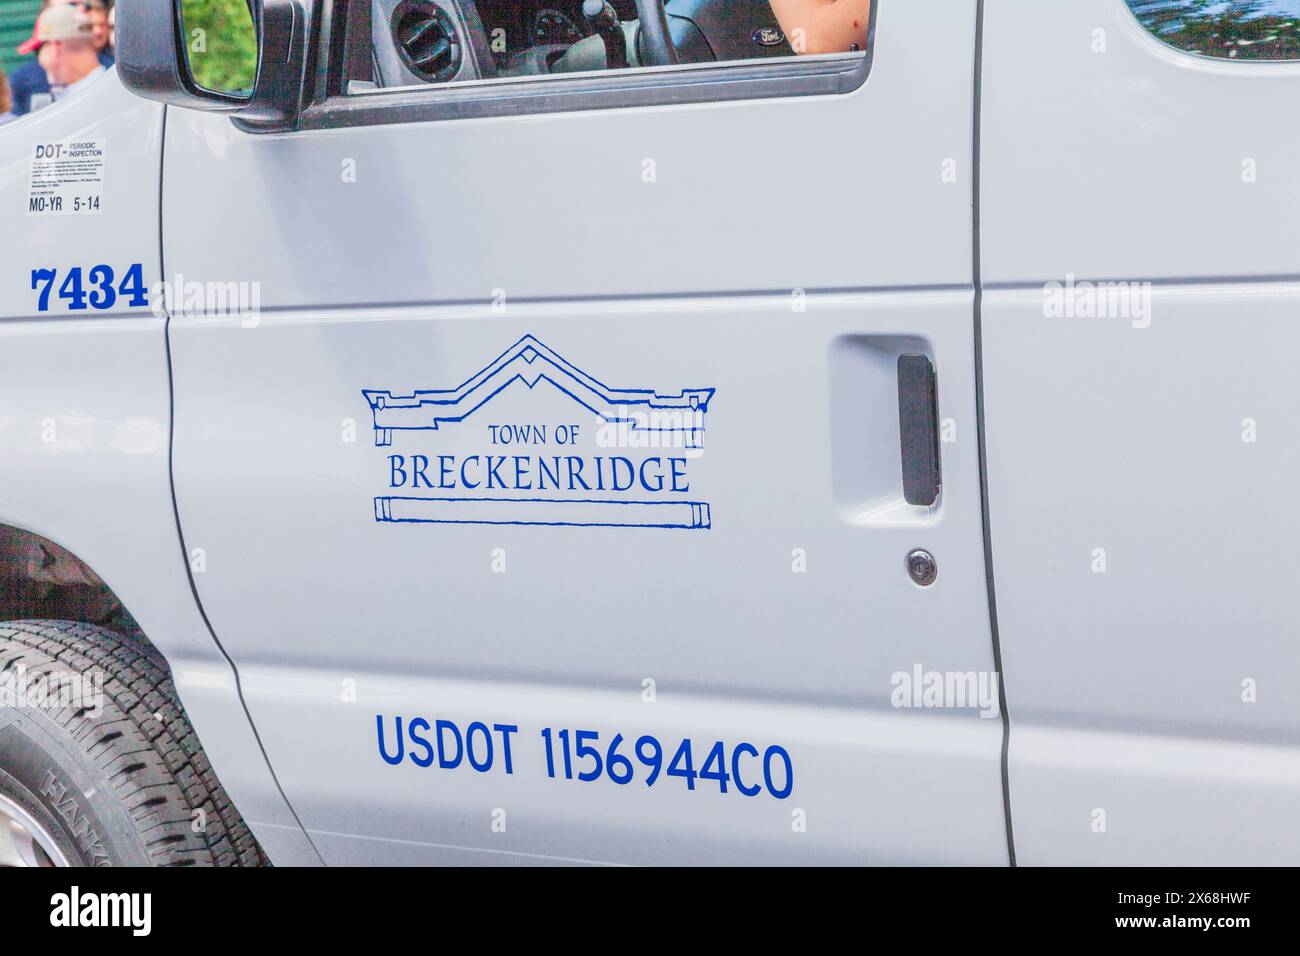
(659, 49)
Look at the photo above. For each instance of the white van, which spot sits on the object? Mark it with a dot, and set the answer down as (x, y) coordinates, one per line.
(478, 431)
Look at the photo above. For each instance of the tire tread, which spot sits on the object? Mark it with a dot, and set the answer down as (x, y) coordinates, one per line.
(142, 741)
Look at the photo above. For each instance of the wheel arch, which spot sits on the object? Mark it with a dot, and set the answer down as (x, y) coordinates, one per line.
(44, 579)
(40, 578)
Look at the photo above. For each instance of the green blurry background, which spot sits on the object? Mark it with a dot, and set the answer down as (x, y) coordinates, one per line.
(224, 56)
(17, 17)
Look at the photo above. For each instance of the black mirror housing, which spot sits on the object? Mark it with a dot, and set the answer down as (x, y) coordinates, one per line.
(152, 64)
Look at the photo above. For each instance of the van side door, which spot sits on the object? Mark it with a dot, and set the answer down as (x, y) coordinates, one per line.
(551, 481)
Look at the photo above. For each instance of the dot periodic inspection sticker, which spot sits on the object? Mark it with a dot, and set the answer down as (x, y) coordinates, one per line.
(67, 178)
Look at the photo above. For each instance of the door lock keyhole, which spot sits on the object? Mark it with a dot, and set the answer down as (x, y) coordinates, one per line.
(922, 568)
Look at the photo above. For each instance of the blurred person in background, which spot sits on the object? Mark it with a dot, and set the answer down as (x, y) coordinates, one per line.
(30, 79)
(64, 42)
(98, 14)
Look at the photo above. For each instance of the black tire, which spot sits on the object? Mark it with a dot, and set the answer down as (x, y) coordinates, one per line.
(120, 783)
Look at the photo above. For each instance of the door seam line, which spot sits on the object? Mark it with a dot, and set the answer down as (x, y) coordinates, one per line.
(977, 105)
(176, 512)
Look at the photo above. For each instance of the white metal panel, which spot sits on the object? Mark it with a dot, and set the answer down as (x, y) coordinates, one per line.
(1142, 468)
(1128, 163)
(833, 192)
(387, 283)
(84, 419)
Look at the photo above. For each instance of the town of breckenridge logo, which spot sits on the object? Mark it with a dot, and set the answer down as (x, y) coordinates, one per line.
(620, 458)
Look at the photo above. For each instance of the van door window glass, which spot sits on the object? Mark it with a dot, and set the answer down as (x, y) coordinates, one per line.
(433, 42)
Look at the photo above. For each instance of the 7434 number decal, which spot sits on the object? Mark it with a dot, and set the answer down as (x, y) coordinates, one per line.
(98, 288)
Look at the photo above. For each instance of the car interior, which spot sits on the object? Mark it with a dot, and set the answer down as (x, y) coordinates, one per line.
(417, 42)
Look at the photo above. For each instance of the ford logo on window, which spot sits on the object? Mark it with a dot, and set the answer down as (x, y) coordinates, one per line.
(769, 36)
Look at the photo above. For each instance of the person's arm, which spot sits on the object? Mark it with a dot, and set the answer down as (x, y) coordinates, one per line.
(828, 26)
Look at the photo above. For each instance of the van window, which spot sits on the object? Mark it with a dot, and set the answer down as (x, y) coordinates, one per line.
(429, 43)
(1230, 29)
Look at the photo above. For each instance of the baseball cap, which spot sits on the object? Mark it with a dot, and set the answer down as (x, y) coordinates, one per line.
(60, 22)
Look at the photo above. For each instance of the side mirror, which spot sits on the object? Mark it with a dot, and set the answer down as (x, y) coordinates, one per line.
(243, 57)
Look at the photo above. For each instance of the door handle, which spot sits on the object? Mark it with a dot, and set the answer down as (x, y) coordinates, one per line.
(918, 429)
